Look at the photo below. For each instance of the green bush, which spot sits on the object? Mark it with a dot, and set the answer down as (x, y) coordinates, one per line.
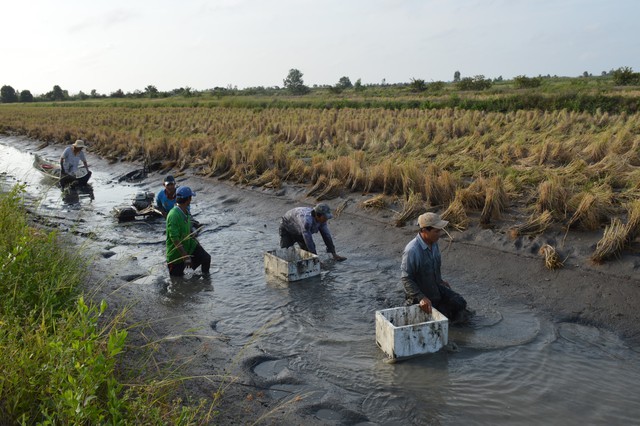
(58, 355)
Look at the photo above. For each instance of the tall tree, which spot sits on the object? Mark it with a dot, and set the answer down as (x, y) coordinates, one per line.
(151, 91)
(456, 76)
(57, 94)
(345, 83)
(294, 83)
(8, 95)
(26, 96)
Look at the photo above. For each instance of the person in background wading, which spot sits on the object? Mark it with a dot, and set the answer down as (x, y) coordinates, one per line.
(421, 276)
(166, 199)
(298, 225)
(183, 249)
(70, 161)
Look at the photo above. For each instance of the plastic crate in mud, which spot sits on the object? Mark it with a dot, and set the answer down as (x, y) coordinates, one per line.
(291, 264)
(409, 331)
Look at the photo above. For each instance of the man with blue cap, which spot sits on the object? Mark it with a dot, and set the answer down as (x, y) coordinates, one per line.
(298, 225)
(183, 249)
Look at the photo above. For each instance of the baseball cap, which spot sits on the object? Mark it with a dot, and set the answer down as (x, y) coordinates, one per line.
(324, 210)
(185, 192)
(431, 219)
(169, 179)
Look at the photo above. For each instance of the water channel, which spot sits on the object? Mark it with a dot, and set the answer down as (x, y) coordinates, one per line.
(512, 365)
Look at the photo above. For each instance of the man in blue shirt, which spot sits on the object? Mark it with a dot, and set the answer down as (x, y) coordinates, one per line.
(166, 198)
(421, 276)
(298, 225)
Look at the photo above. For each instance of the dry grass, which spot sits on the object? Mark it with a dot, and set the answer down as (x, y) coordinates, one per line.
(552, 196)
(377, 202)
(456, 214)
(495, 201)
(551, 258)
(333, 189)
(413, 207)
(553, 157)
(536, 225)
(269, 179)
(612, 242)
(632, 229)
(593, 207)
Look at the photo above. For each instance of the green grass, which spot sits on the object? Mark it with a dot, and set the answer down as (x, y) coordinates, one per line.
(59, 353)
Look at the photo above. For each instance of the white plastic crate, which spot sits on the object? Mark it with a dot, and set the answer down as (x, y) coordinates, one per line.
(291, 264)
(409, 331)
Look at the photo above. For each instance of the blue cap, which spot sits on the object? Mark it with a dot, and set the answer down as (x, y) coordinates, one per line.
(185, 192)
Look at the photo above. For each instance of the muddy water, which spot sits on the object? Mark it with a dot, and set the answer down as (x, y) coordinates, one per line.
(512, 365)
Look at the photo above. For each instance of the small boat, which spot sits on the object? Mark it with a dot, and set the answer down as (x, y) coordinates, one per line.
(141, 206)
(52, 170)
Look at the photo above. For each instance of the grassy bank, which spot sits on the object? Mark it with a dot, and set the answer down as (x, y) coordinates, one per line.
(60, 355)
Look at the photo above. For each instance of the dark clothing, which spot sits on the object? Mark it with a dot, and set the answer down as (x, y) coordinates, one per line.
(198, 257)
(298, 225)
(421, 277)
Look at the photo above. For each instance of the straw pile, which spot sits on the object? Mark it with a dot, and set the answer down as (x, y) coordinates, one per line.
(537, 224)
(612, 242)
(378, 202)
(456, 214)
(551, 259)
(413, 206)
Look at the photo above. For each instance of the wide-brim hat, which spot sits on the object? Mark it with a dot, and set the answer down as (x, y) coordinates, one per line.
(79, 144)
(432, 220)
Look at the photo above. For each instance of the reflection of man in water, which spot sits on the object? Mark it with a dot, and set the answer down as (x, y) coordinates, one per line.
(70, 161)
(421, 275)
(300, 223)
(183, 250)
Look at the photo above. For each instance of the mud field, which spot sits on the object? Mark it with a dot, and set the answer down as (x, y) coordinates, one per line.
(543, 345)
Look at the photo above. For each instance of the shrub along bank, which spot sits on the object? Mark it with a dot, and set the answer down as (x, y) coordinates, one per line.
(59, 355)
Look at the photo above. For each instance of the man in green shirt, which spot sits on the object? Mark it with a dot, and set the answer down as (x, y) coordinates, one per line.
(183, 250)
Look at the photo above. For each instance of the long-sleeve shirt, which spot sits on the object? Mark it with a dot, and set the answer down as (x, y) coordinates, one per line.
(421, 270)
(179, 230)
(71, 161)
(299, 221)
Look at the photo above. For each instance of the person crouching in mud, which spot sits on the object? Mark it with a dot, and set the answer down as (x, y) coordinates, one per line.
(183, 249)
(298, 225)
(70, 160)
(421, 276)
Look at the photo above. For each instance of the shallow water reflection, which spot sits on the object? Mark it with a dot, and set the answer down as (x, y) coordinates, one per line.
(512, 366)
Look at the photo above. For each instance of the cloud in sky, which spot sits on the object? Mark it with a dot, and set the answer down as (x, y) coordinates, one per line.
(116, 44)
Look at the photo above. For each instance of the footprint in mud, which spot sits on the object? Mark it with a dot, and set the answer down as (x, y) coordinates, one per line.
(492, 329)
(334, 414)
(270, 371)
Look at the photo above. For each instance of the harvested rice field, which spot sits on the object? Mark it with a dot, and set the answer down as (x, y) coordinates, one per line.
(574, 170)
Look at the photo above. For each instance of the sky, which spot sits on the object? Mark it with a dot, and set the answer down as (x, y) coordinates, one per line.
(106, 45)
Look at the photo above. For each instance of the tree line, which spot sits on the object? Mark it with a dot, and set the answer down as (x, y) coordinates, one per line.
(294, 84)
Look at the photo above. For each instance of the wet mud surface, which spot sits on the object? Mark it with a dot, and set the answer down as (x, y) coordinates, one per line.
(542, 345)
